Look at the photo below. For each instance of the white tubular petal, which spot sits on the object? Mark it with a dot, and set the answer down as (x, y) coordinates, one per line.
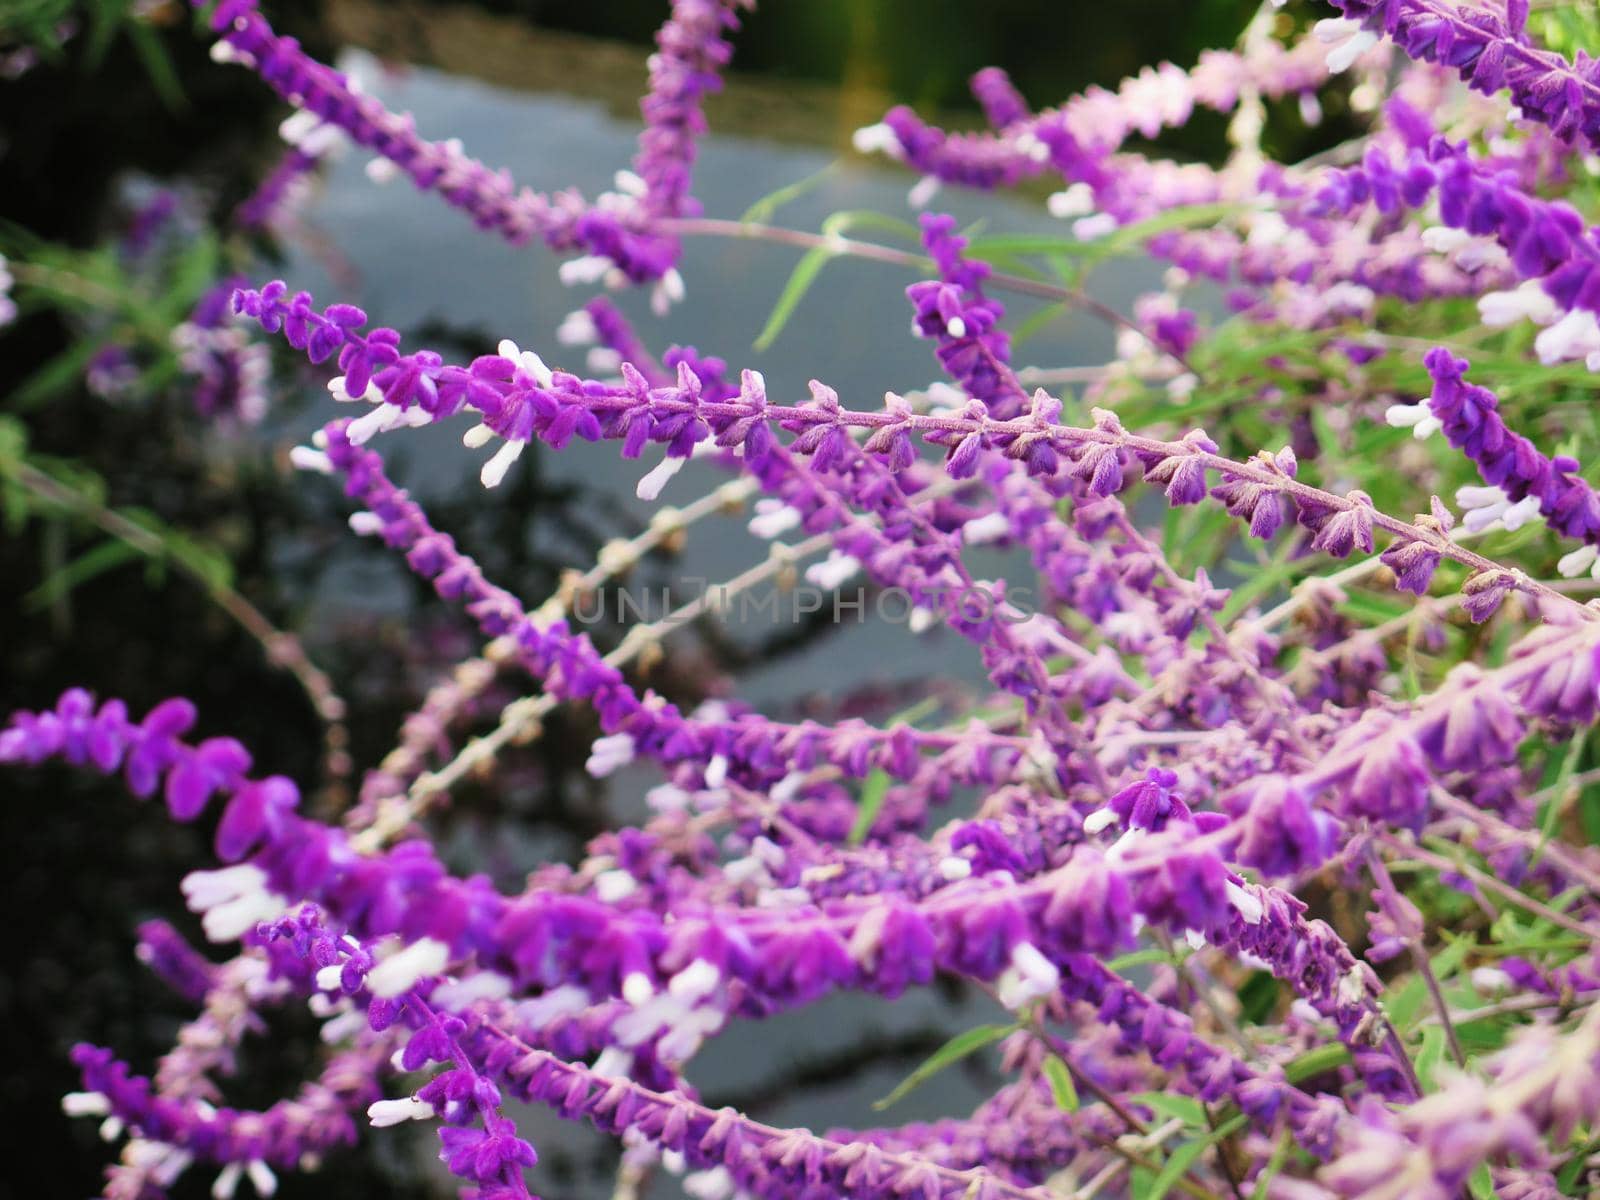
(402, 969)
(534, 366)
(1522, 512)
(1076, 201)
(227, 1182)
(1406, 416)
(956, 327)
(206, 889)
(609, 753)
(330, 977)
(696, 981)
(656, 478)
(1101, 818)
(304, 458)
(613, 1063)
(876, 139)
(1441, 239)
(1249, 906)
(953, 868)
(832, 572)
(494, 471)
(990, 527)
(478, 435)
(231, 921)
(480, 985)
(261, 1178)
(577, 329)
(385, 1113)
(1580, 560)
(611, 886)
(1343, 57)
(367, 524)
(367, 426)
(85, 1104)
(922, 194)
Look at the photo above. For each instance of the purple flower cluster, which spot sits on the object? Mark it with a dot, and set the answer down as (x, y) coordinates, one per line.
(1171, 836)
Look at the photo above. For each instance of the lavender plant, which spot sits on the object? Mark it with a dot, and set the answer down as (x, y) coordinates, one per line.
(1271, 836)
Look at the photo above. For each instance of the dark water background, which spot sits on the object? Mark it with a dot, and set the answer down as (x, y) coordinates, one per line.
(549, 90)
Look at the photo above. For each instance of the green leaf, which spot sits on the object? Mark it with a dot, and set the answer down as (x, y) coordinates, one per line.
(1427, 1060)
(763, 210)
(872, 794)
(56, 586)
(157, 65)
(1280, 1154)
(1061, 1085)
(842, 223)
(952, 1051)
(1179, 1108)
(1315, 1062)
(800, 281)
(1175, 1168)
(1480, 1184)
(1181, 1159)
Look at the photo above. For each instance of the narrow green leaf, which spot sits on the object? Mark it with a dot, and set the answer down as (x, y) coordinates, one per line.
(1427, 1060)
(952, 1051)
(1175, 1107)
(872, 794)
(1061, 1085)
(55, 587)
(1176, 1167)
(1280, 1154)
(763, 210)
(1480, 1184)
(157, 65)
(804, 275)
(1315, 1062)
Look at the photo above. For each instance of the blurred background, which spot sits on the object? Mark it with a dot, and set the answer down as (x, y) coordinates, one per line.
(111, 112)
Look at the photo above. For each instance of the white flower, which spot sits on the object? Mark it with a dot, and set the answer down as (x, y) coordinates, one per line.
(1248, 904)
(1101, 818)
(233, 900)
(456, 994)
(1481, 506)
(990, 527)
(494, 471)
(773, 517)
(568, 1000)
(611, 886)
(876, 139)
(587, 268)
(527, 361)
(366, 524)
(382, 170)
(1076, 201)
(1579, 561)
(384, 1113)
(1418, 418)
(953, 868)
(655, 479)
(667, 292)
(1575, 335)
(401, 970)
(1348, 41)
(85, 1104)
(1089, 229)
(1441, 239)
(715, 1184)
(695, 982)
(1529, 301)
(613, 1063)
(577, 329)
(304, 458)
(1029, 976)
(923, 192)
(834, 571)
(1520, 513)
(717, 771)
